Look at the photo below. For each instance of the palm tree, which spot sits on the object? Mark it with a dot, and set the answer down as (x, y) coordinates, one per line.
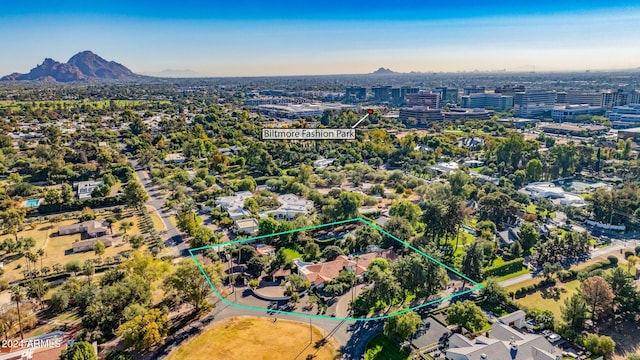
(17, 296)
(124, 226)
(41, 254)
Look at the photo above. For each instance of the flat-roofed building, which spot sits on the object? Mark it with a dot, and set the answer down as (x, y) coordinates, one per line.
(624, 116)
(300, 111)
(498, 102)
(355, 94)
(632, 133)
(571, 98)
(467, 114)
(85, 188)
(420, 116)
(534, 102)
(424, 98)
(572, 112)
(381, 93)
(246, 226)
(398, 94)
(574, 129)
(519, 123)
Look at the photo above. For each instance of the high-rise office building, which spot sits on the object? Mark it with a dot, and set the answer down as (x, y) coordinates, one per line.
(620, 97)
(398, 94)
(474, 90)
(424, 98)
(355, 94)
(381, 93)
(534, 102)
(447, 95)
(576, 98)
(508, 89)
(488, 101)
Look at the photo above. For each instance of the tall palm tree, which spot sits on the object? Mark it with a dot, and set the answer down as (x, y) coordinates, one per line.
(41, 255)
(18, 295)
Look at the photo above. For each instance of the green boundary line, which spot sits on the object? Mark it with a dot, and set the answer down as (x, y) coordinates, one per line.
(364, 221)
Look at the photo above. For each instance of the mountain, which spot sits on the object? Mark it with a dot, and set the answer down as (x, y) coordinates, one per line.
(383, 71)
(83, 66)
(177, 73)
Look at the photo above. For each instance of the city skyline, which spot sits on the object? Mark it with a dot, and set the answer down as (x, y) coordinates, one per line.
(253, 39)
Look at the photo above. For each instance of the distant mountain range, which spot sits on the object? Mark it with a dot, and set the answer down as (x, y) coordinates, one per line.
(83, 66)
(383, 71)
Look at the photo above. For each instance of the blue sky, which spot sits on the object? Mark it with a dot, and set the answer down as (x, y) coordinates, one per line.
(325, 37)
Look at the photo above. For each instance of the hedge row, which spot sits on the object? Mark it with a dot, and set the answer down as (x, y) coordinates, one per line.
(81, 204)
(508, 267)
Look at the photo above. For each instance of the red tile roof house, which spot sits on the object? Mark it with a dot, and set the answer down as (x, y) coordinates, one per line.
(318, 274)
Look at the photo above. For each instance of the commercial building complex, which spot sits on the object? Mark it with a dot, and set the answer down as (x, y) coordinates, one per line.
(467, 114)
(572, 112)
(420, 116)
(534, 102)
(299, 111)
(574, 129)
(593, 99)
(624, 116)
(489, 101)
(424, 98)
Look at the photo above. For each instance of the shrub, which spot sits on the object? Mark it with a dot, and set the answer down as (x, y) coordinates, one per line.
(612, 259)
(508, 267)
(628, 253)
(637, 249)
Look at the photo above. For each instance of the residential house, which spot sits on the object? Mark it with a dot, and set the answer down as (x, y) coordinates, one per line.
(290, 207)
(265, 250)
(508, 236)
(318, 274)
(322, 163)
(485, 178)
(175, 158)
(92, 228)
(85, 188)
(234, 205)
(445, 167)
(504, 343)
(247, 226)
(88, 244)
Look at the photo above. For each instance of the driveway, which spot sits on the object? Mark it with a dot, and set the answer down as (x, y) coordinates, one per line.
(171, 236)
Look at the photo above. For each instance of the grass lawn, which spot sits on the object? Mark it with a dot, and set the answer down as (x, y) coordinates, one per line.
(382, 348)
(58, 248)
(158, 224)
(512, 275)
(292, 254)
(256, 338)
(548, 299)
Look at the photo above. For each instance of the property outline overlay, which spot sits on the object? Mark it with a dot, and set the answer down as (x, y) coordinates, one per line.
(314, 227)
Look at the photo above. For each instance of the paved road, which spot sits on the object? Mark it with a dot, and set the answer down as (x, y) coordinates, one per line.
(171, 236)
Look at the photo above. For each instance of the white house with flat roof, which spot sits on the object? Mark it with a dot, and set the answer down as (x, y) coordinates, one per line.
(290, 206)
(247, 226)
(234, 205)
(85, 188)
(548, 190)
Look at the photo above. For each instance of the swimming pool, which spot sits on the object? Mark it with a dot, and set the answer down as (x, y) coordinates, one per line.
(32, 203)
